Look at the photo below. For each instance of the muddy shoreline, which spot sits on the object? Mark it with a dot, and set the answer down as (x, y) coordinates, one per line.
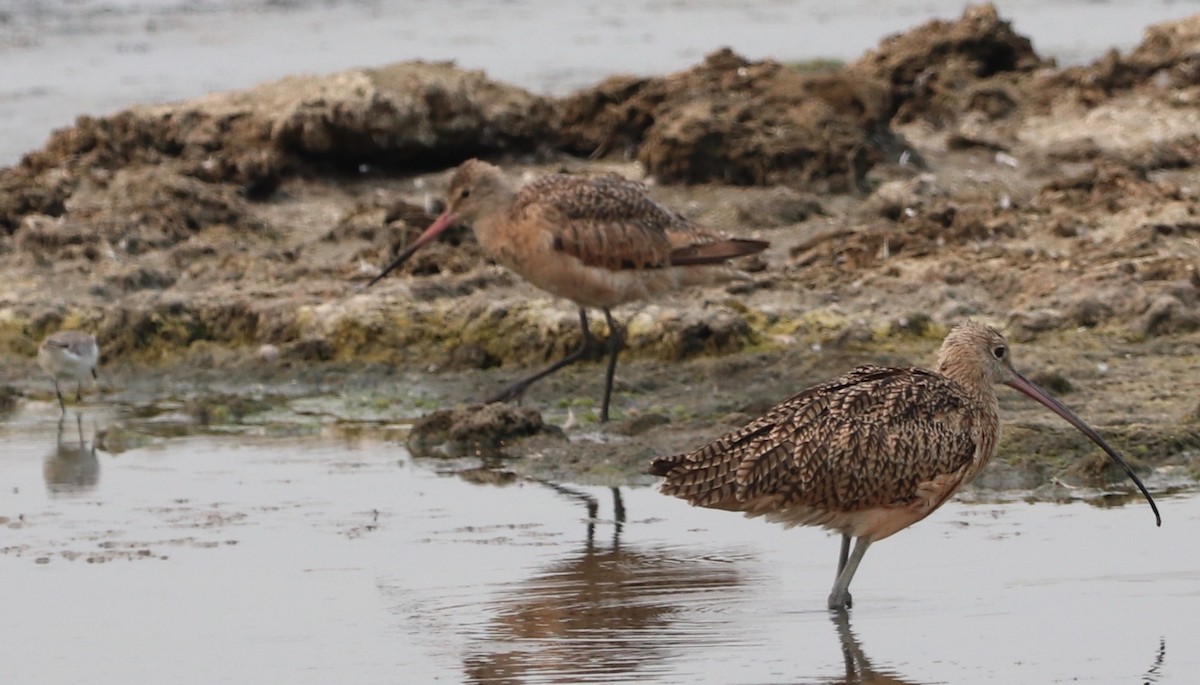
(216, 245)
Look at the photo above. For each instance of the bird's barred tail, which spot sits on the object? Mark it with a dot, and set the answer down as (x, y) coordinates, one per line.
(663, 465)
(704, 478)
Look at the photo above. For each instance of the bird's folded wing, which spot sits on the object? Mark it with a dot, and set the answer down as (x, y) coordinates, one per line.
(604, 221)
(868, 438)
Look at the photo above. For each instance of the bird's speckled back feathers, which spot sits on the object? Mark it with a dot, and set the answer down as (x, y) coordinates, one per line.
(610, 222)
(866, 439)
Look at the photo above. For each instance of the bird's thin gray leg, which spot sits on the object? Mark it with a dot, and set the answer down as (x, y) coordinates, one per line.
(62, 404)
(515, 390)
(616, 338)
(845, 554)
(839, 598)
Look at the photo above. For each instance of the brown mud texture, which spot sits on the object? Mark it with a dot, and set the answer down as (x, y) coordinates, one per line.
(951, 172)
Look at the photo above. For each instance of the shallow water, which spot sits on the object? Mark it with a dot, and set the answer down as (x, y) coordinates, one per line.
(247, 558)
(62, 58)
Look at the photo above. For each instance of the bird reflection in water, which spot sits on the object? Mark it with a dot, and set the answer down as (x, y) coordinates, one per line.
(72, 467)
(603, 613)
(1154, 673)
(859, 670)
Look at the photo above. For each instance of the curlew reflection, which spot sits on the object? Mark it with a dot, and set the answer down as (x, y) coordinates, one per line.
(605, 612)
(72, 467)
(1154, 673)
(859, 670)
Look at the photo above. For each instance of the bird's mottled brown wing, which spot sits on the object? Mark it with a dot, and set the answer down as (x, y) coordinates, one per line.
(610, 222)
(862, 440)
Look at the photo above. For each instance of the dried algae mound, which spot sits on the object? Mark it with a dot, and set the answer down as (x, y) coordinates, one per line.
(733, 121)
(943, 69)
(413, 115)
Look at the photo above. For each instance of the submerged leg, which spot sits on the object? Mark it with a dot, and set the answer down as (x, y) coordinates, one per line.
(616, 338)
(517, 389)
(839, 598)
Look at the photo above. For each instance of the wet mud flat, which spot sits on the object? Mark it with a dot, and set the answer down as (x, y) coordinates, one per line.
(552, 435)
(256, 557)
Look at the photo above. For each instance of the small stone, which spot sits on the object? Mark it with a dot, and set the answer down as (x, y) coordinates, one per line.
(1088, 312)
(481, 430)
(267, 353)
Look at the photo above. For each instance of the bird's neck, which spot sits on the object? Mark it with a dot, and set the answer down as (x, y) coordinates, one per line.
(493, 220)
(977, 386)
(972, 379)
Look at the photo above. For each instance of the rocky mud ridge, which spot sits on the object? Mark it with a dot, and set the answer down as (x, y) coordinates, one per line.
(950, 172)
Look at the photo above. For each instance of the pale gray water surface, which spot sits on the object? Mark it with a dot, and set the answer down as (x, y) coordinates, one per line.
(63, 58)
(336, 558)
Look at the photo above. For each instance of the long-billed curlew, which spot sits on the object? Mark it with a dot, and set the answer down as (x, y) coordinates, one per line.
(869, 453)
(599, 241)
(69, 355)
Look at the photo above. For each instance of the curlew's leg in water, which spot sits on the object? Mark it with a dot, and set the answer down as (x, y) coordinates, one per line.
(839, 598)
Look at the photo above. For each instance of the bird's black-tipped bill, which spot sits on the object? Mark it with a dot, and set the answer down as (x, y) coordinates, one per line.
(1027, 387)
(445, 220)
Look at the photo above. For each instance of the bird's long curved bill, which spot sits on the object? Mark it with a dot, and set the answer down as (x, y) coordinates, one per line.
(445, 220)
(1024, 385)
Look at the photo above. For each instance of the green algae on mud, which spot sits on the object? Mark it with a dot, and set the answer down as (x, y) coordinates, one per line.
(663, 407)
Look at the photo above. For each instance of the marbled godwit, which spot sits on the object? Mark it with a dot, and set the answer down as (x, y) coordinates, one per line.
(599, 241)
(69, 355)
(870, 453)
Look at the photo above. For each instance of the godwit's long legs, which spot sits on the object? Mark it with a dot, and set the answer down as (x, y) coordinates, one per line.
(515, 390)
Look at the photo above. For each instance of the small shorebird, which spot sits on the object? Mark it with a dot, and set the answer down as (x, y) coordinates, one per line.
(69, 355)
(599, 241)
(869, 453)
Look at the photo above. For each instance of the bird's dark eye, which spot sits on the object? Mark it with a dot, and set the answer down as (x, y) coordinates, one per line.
(998, 352)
